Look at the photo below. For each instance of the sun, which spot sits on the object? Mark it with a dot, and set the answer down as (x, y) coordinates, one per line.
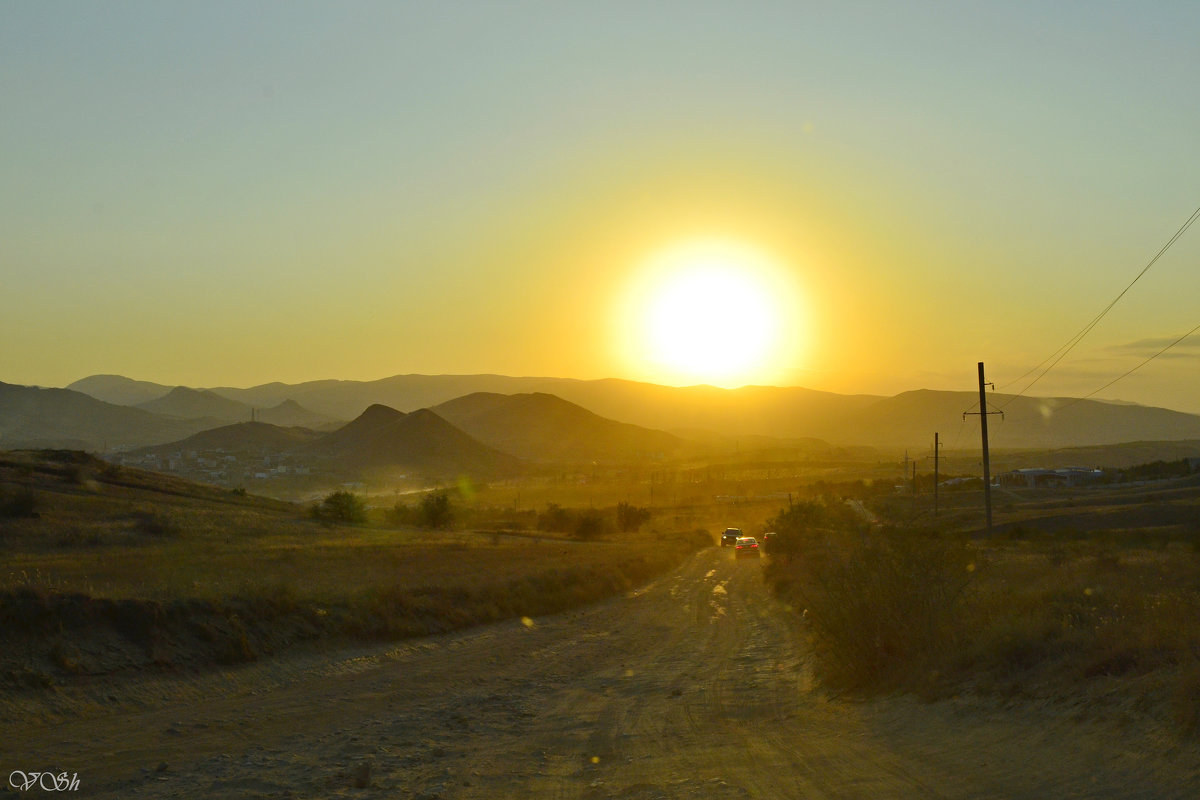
(711, 311)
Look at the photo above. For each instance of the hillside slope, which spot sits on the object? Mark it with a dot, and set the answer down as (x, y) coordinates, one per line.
(910, 420)
(542, 427)
(62, 418)
(421, 441)
(186, 403)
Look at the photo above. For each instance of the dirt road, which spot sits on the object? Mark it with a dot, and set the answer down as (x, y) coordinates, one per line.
(692, 687)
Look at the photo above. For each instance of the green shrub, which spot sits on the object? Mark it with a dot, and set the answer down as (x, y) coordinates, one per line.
(340, 507)
(880, 609)
(435, 511)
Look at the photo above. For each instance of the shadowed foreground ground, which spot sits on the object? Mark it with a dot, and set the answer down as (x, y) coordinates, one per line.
(691, 687)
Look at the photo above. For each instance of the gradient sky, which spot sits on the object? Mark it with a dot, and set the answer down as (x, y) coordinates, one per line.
(231, 193)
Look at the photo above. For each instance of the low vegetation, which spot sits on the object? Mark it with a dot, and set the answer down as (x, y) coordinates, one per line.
(340, 507)
(434, 511)
(1078, 592)
(1026, 613)
(128, 571)
(18, 504)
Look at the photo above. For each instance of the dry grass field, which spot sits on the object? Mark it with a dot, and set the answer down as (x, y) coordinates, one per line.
(108, 569)
(1088, 595)
(1078, 593)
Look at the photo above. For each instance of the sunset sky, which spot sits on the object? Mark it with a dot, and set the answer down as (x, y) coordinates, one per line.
(848, 196)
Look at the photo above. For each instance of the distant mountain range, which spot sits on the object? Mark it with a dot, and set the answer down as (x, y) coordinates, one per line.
(754, 410)
(661, 417)
(497, 435)
(380, 439)
(60, 418)
(185, 403)
(911, 419)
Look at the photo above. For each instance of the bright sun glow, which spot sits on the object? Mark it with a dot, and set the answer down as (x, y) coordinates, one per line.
(717, 312)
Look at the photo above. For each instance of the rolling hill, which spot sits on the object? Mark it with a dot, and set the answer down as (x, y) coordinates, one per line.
(62, 418)
(421, 441)
(911, 418)
(290, 414)
(240, 437)
(205, 404)
(542, 427)
(119, 390)
(186, 403)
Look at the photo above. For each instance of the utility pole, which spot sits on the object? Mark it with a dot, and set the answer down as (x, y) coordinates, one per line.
(987, 471)
(937, 448)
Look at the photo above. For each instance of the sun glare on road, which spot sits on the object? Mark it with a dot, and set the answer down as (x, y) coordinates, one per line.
(717, 312)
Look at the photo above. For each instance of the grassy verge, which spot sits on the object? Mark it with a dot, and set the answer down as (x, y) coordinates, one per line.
(937, 614)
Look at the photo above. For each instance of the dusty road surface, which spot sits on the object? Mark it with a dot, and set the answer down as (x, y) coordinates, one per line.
(693, 687)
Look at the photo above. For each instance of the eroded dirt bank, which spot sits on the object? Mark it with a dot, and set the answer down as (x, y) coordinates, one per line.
(691, 687)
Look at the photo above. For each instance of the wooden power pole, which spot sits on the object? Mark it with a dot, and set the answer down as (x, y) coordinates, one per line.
(937, 446)
(987, 470)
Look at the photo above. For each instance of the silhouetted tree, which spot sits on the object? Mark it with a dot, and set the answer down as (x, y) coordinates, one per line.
(341, 507)
(554, 518)
(590, 524)
(435, 511)
(630, 518)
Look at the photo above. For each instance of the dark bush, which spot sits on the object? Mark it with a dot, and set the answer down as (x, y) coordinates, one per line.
(435, 511)
(155, 524)
(340, 507)
(590, 524)
(631, 518)
(23, 504)
(400, 514)
(555, 518)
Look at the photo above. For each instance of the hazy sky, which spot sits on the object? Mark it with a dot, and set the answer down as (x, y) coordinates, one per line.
(234, 193)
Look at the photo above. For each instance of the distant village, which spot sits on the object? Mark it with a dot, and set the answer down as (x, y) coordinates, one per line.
(220, 466)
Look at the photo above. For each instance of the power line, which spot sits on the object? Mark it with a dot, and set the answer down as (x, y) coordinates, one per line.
(1061, 353)
(1130, 372)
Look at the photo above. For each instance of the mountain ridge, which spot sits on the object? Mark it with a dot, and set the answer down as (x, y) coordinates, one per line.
(905, 420)
(537, 426)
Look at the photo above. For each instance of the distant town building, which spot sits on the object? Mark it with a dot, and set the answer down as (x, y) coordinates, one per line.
(1047, 478)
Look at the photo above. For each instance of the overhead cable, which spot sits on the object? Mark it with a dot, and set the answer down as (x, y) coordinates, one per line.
(1061, 353)
(1130, 372)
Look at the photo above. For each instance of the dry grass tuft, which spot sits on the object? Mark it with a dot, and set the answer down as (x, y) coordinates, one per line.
(881, 608)
(1042, 617)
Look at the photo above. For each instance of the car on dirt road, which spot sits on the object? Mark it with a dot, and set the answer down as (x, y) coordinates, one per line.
(747, 547)
(730, 536)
